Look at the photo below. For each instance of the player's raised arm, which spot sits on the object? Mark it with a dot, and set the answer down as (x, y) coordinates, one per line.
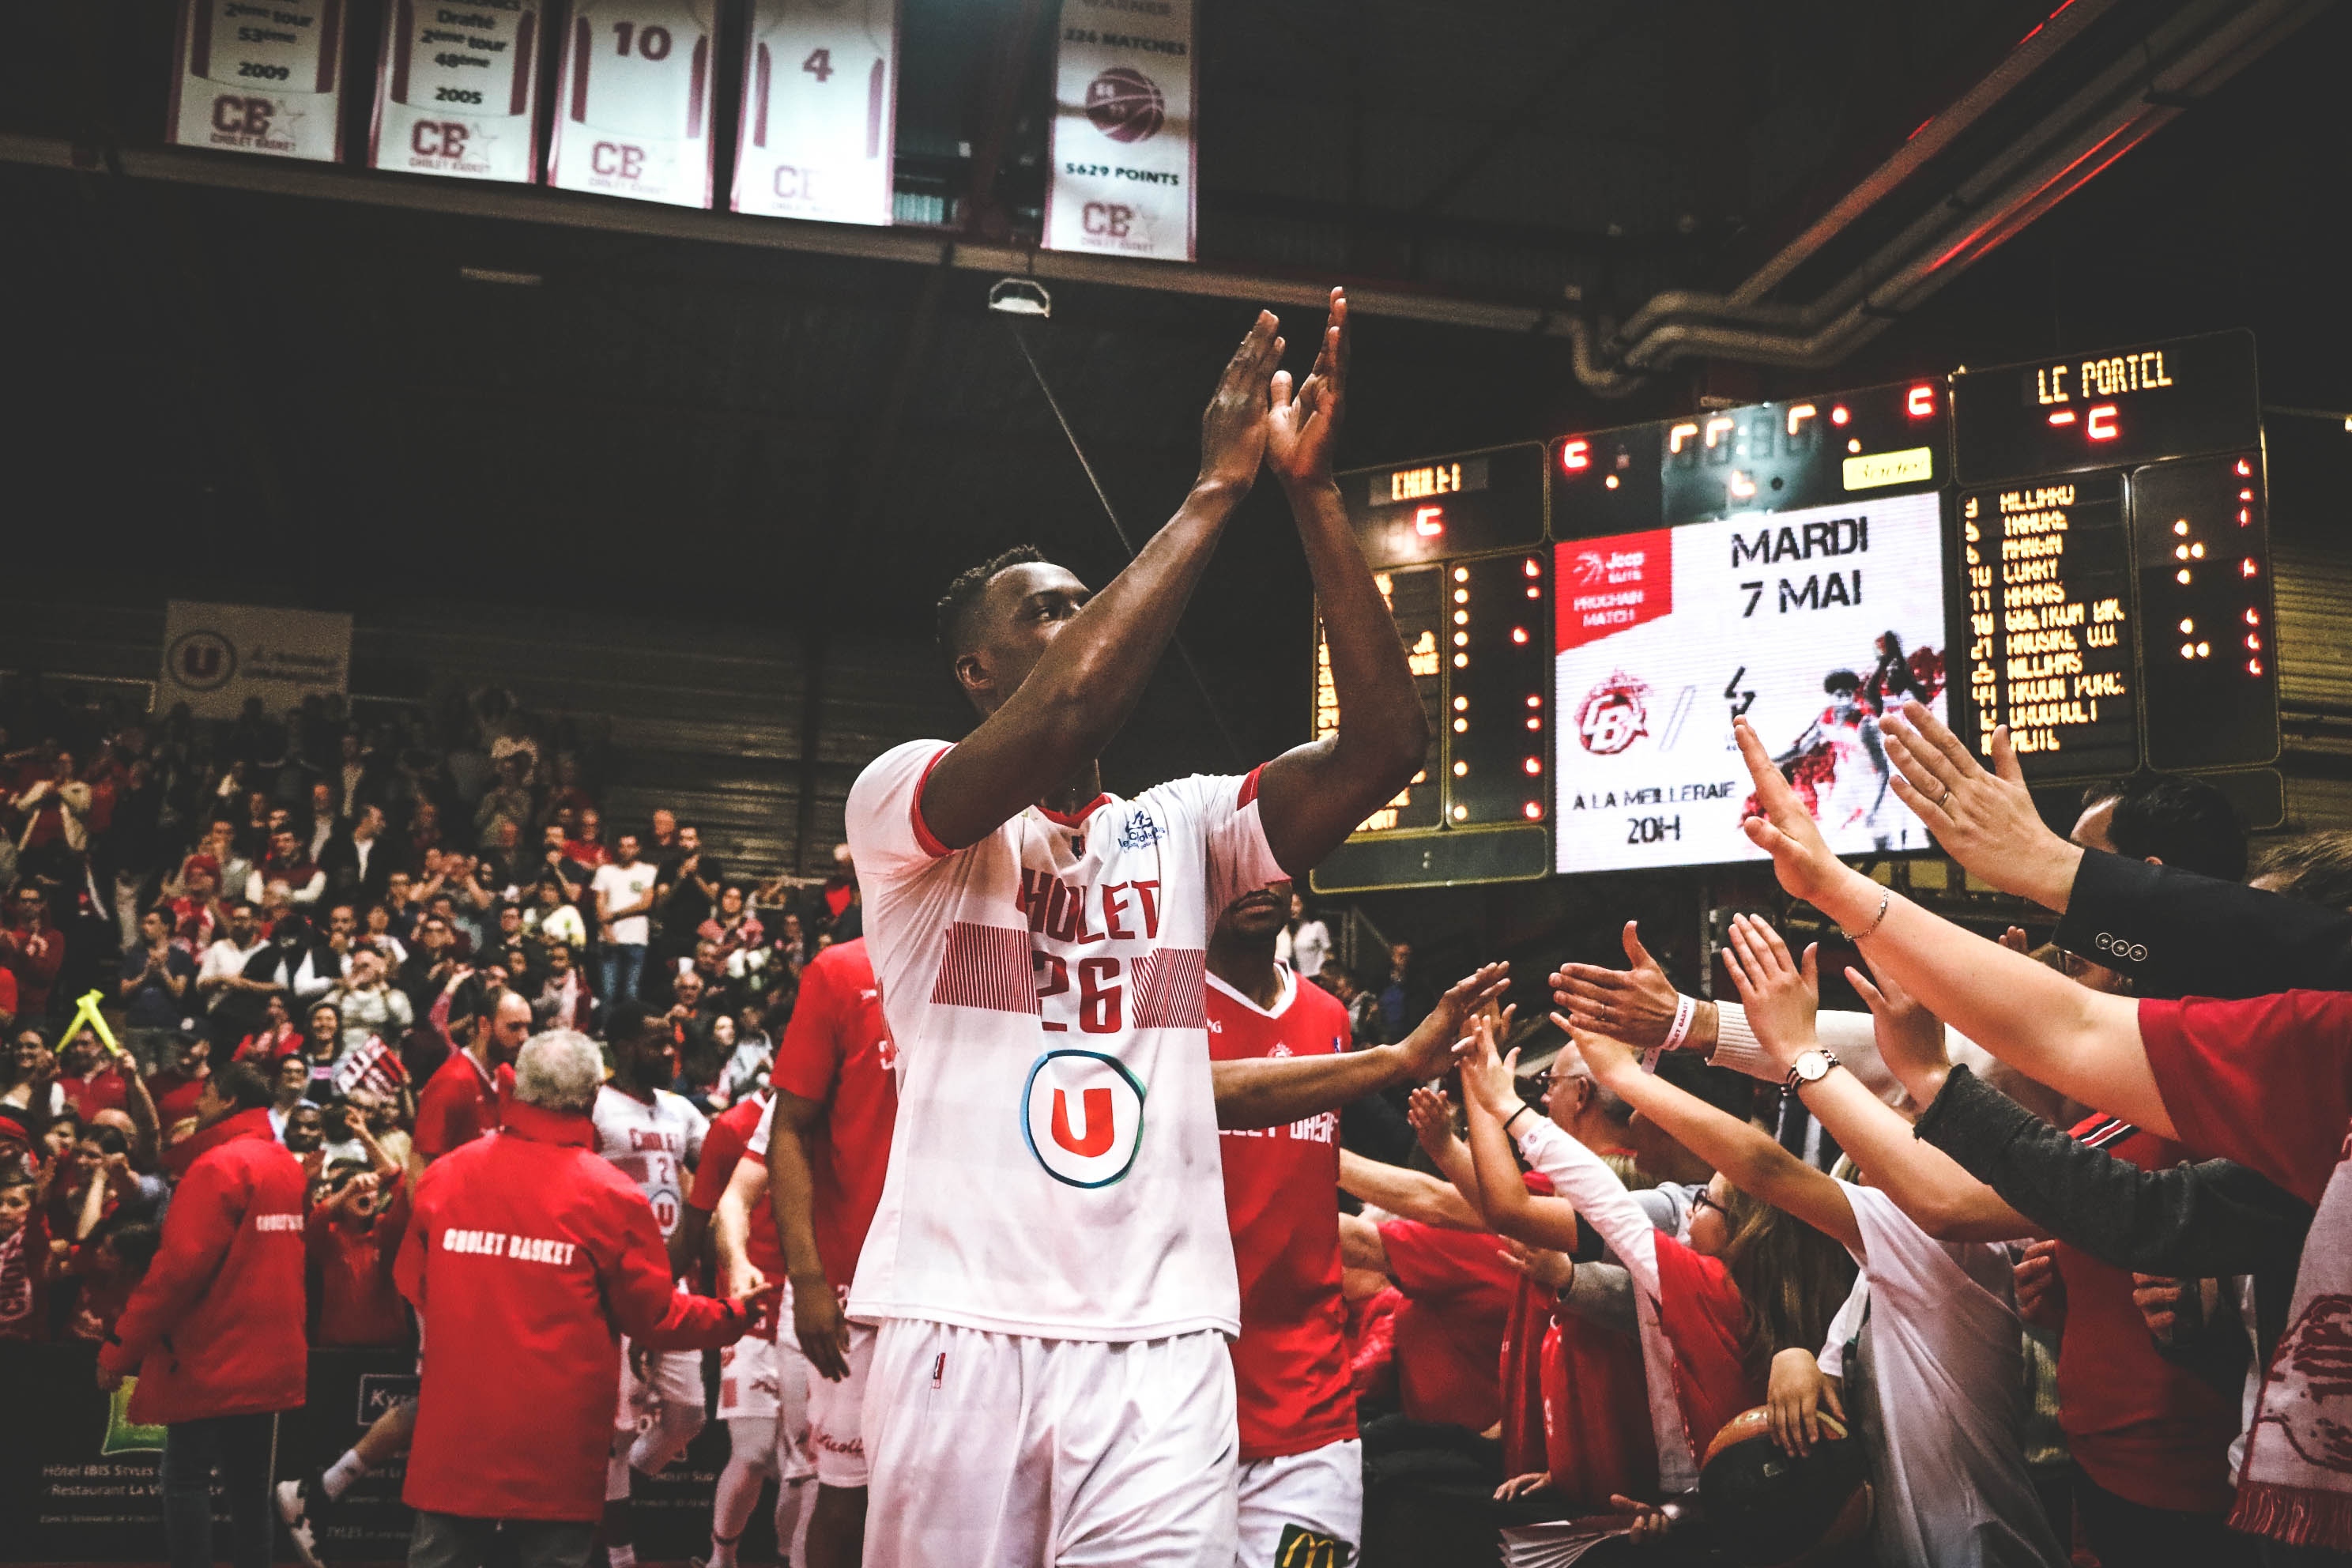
(1055, 669)
(1312, 798)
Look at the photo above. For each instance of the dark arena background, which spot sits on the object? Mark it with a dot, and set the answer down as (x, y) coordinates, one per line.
(1866, 298)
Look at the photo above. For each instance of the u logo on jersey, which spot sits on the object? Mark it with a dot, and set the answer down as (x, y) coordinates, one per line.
(1082, 1115)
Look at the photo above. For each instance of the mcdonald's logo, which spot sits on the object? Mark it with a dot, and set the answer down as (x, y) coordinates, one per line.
(1303, 1548)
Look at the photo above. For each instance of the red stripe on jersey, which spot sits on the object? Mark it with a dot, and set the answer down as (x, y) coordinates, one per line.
(403, 35)
(1076, 818)
(702, 80)
(1171, 989)
(873, 111)
(759, 98)
(580, 40)
(986, 966)
(923, 835)
(200, 49)
(1249, 787)
(330, 39)
(526, 60)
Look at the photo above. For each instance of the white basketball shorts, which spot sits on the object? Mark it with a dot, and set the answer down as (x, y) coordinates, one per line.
(836, 1415)
(1302, 1511)
(992, 1450)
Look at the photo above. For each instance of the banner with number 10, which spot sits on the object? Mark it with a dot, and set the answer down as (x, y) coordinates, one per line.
(633, 100)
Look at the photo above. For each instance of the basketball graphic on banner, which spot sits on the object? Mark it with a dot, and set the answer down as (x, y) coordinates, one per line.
(1125, 105)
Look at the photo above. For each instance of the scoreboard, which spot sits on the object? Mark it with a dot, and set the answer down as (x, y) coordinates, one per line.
(1455, 546)
(2115, 540)
(2076, 547)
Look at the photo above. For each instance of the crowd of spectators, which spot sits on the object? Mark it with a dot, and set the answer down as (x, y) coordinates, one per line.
(338, 903)
(1561, 1270)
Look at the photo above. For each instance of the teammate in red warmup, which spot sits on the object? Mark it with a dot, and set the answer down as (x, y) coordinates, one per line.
(819, 1164)
(213, 1332)
(1282, 1070)
(763, 1379)
(461, 1100)
(532, 1256)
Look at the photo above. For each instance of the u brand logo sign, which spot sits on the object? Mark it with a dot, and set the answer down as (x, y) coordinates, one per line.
(1082, 1116)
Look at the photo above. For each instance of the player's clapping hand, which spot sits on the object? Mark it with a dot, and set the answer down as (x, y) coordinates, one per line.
(1635, 1004)
(1985, 820)
(1303, 429)
(1428, 1051)
(1781, 995)
(1233, 430)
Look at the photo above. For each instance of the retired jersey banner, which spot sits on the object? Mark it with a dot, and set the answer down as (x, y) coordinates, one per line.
(457, 90)
(820, 92)
(260, 76)
(633, 102)
(1121, 175)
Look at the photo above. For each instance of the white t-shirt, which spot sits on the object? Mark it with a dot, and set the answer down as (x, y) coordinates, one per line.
(1042, 987)
(622, 886)
(1944, 1384)
(652, 1144)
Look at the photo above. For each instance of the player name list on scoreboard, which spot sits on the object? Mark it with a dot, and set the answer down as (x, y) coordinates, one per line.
(2047, 570)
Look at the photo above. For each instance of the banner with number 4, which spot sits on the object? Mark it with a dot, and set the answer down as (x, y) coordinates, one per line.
(820, 91)
(633, 100)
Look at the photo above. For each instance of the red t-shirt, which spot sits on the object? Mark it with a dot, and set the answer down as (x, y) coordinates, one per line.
(2145, 1429)
(7, 992)
(837, 1050)
(352, 1297)
(460, 1103)
(2266, 1081)
(1598, 1438)
(1449, 1333)
(101, 1091)
(1282, 1201)
(175, 1096)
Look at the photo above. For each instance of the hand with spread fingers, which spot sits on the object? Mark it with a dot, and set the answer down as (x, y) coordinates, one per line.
(1985, 820)
(1781, 995)
(1635, 1004)
(1432, 1115)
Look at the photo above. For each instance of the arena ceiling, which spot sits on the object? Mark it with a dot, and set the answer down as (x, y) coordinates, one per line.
(241, 380)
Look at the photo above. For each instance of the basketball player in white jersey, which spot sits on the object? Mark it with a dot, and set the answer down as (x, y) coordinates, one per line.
(1049, 1265)
(653, 1136)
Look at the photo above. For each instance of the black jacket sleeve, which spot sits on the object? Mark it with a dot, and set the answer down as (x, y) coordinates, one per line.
(2191, 1222)
(2177, 933)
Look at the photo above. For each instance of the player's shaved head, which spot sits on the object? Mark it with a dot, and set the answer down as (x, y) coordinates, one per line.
(997, 619)
(957, 604)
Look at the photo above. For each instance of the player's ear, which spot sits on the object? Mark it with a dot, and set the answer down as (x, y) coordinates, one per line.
(971, 673)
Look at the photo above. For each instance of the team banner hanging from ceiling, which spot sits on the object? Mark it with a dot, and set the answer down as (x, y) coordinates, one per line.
(820, 94)
(458, 89)
(1121, 176)
(260, 76)
(633, 101)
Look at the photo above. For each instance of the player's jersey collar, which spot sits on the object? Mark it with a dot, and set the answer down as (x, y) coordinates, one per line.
(1078, 818)
(1282, 977)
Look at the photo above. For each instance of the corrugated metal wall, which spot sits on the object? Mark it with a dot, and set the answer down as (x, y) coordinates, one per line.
(705, 719)
(2313, 586)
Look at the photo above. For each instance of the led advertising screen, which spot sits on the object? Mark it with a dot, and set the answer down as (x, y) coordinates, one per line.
(1810, 622)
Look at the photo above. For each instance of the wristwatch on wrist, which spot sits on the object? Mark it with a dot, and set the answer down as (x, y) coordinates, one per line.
(1811, 1066)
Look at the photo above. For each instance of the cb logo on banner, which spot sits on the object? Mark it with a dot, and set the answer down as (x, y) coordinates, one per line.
(1082, 1114)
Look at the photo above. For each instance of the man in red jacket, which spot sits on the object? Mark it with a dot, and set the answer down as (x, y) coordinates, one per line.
(528, 1256)
(214, 1330)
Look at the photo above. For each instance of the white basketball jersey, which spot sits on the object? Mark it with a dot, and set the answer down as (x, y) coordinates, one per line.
(652, 1144)
(633, 115)
(1055, 1168)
